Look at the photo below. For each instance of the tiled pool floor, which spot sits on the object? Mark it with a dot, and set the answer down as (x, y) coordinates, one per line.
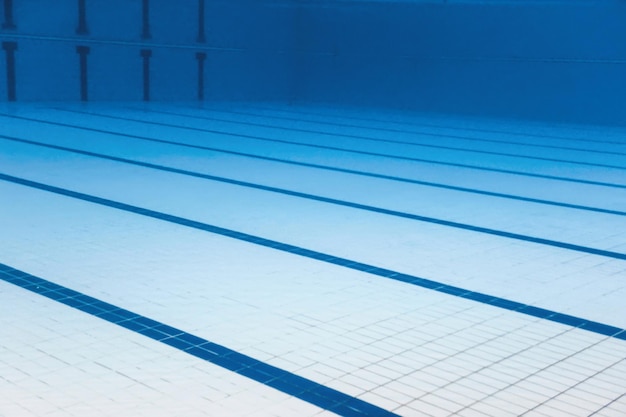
(258, 259)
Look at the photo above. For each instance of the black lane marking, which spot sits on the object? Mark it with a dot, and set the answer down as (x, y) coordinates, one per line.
(271, 376)
(436, 135)
(474, 167)
(425, 219)
(289, 142)
(534, 135)
(491, 300)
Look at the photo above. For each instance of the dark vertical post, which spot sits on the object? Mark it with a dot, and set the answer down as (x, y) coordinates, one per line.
(146, 54)
(200, 56)
(8, 15)
(10, 48)
(201, 36)
(83, 51)
(82, 18)
(145, 34)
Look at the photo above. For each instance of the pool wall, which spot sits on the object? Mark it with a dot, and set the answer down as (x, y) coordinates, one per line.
(560, 60)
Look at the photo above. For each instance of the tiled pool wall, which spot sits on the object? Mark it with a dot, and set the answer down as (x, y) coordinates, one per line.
(548, 59)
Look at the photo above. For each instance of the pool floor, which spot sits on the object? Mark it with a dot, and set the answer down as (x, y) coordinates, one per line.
(266, 259)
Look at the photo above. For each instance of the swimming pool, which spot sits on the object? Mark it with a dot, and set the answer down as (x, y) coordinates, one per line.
(222, 237)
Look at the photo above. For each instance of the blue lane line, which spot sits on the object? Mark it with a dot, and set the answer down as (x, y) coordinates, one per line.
(578, 322)
(369, 138)
(445, 223)
(427, 161)
(281, 380)
(335, 148)
(360, 119)
(366, 174)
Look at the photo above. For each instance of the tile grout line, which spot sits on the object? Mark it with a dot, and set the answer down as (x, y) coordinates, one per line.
(604, 407)
(573, 387)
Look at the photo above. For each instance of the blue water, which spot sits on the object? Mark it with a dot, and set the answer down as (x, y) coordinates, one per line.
(549, 59)
(313, 207)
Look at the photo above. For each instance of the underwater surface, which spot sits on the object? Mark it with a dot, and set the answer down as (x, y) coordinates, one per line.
(311, 208)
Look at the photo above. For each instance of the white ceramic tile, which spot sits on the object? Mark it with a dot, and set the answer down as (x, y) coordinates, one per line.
(61, 382)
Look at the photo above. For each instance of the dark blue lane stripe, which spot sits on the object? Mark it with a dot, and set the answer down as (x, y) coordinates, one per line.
(313, 145)
(364, 174)
(328, 200)
(427, 161)
(347, 171)
(281, 380)
(589, 325)
(374, 139)
(360, 119)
